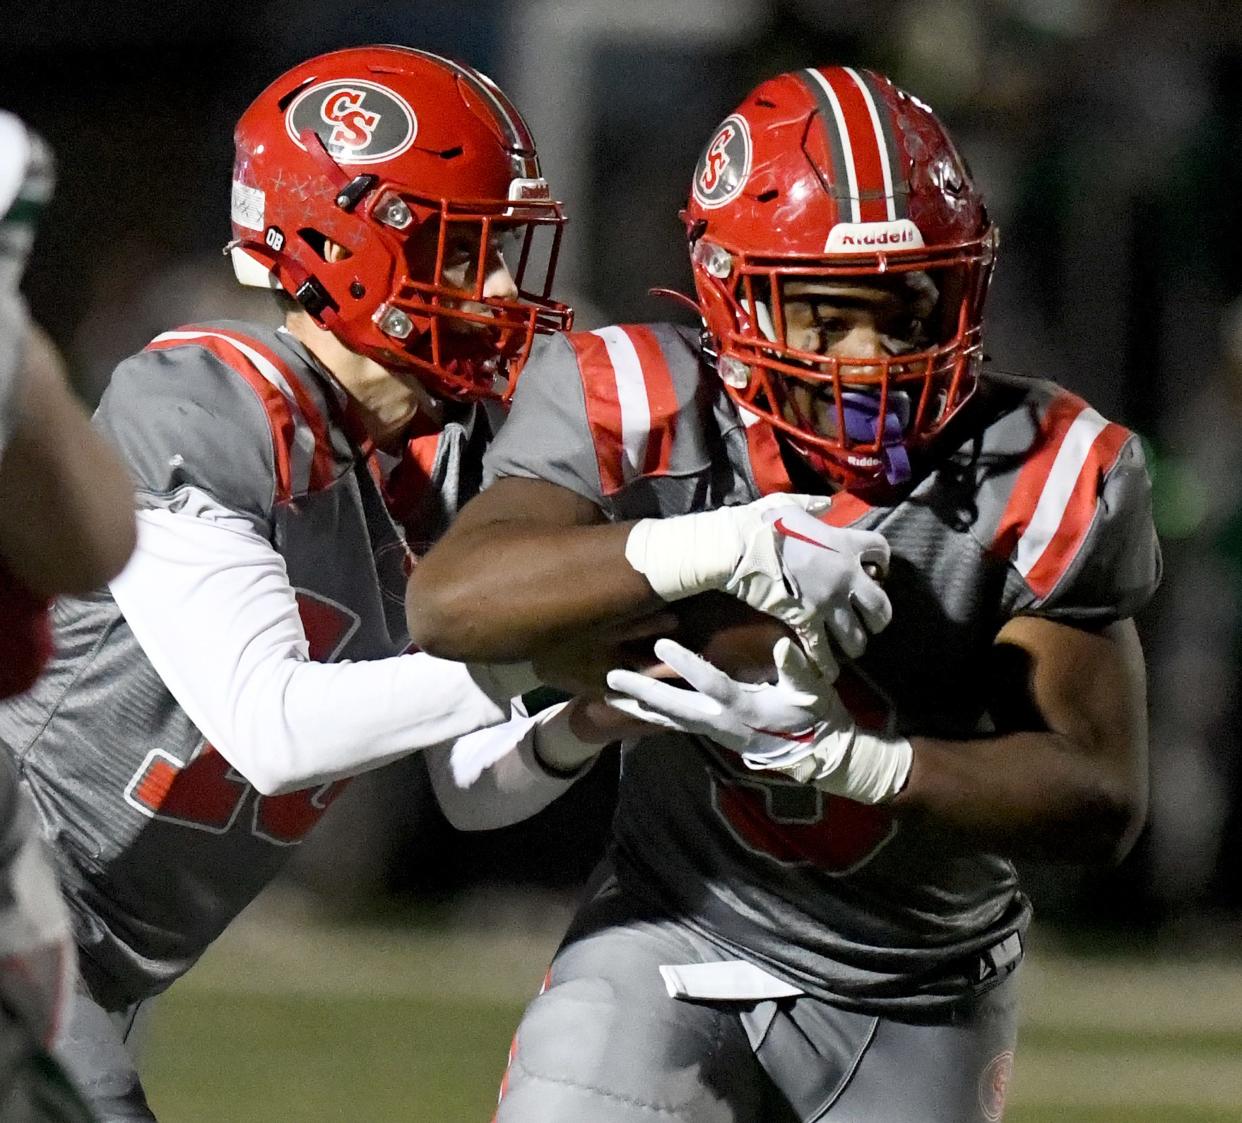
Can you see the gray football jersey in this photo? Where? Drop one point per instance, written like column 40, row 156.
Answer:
column 1043, row 510
column 160, row 842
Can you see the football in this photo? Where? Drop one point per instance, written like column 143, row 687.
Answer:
column 726, row 632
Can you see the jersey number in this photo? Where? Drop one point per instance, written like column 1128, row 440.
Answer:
column 208, row 793
column 796, row 824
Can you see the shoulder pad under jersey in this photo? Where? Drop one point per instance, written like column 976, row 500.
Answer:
column 1064, row 498
column 597, row 411
column 220, row 409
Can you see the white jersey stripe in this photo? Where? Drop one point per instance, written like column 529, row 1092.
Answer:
column 879, row 140
column 302, row 454
column 844, row 133
column 632, row 397
column 1058, row 489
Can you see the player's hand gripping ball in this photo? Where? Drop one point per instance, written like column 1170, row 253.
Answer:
column 731, row 635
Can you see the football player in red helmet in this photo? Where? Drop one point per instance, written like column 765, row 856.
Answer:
column 841, row 255
column 808, row 910
column 202, row 711
column 397, row 198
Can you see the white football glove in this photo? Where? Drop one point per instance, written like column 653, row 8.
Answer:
column 778, row 558
column 797, row 726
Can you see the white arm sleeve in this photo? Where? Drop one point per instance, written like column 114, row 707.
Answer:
column 511, row 787
column 209, row 600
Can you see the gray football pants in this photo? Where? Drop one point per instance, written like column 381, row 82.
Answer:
column 603, row 1042
column 33, row 1086
column 97, row 1050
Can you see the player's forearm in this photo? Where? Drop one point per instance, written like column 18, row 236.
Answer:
column 66, row 504
column 1025, row 794
column 301, row 724
column 493, row 778
column 505, row 590
column 210, row 603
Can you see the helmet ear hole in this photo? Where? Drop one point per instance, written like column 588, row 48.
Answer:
column 324, row 248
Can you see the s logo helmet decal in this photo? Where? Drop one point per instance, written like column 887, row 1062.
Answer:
column 724, row 166
column 359, row 122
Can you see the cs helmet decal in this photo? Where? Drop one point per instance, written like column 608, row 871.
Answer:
column 359, row 122
column 724, row 166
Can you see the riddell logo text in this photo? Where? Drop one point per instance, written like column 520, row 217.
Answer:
column 854, row 237
column 530, row 191
column 887, row 238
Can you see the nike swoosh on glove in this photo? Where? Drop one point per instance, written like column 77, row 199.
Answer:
column 797, row 726
column 814, row 578
column 776, row 557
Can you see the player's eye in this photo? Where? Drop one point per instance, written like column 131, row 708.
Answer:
column 909, row 330
column 830, row 322
column 828, row 318
column 459, row 251
column 460, row 261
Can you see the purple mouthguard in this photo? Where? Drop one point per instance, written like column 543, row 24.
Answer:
column 863, row 423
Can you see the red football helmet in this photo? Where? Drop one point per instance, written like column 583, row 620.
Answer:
column 375, row 185
column 822, row 177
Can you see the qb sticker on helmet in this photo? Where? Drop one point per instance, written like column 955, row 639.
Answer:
column 724, row 166
column 359, row 122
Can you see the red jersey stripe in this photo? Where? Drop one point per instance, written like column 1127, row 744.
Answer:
column 323, row 469
column 275, row 405
column 407, row 487
column 1080, row 511
column 846, row 509
column 603, row 407
column 768, row 467
column 661, row 400
column 1034, row 472
column 766, row 463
